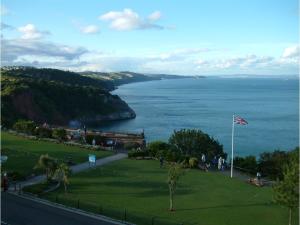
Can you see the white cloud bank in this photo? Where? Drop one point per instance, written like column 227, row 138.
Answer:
column 32, row 50
column 29, row 31
column 90, row 29
column 129, row 20
column 291, row 52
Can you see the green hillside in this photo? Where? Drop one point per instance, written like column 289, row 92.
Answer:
column 57, row 97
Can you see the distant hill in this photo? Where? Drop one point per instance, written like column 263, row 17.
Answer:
column 125, row 77
column 57, row 97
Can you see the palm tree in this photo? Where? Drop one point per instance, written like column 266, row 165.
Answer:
column 62, row 175
column 48, row 164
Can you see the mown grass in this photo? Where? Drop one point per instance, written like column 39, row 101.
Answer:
column 140, row 187
column 24, row 153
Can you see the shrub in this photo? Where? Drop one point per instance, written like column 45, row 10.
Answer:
column 270, row 163
column 25, row 126
column 247, row 163
column 131, row 145
column 158, row 148
column 194, row 143
column 60, row 134
column 136, row 153
column 43, row 132
column 14, row 176
column 193, row 162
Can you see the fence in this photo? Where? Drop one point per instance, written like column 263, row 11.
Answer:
column 122, row 214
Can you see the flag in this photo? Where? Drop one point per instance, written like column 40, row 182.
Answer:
column 240, row 120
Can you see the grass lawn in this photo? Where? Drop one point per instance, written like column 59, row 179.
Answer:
column 23, row 153
column 140, row 187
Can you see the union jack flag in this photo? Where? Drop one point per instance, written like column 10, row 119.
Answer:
column 240, row 120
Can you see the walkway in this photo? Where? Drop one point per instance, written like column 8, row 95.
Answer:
column 245, row 177
column 75, row 169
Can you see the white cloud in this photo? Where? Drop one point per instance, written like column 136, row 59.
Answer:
column 291, row 52
column 156, row 15
column 29, row 31
column 13, row 50
column 243, row 62
column 90, row 29
column 129, row 20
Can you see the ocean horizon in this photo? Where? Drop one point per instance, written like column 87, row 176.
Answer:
column 270, row 105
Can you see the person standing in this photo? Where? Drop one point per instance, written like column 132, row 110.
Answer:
column 203, row 158
column 220, row 163
column 258, row 177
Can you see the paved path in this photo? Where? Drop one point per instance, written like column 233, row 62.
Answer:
column 16, row 210
column 245, row 177
column 75, row 169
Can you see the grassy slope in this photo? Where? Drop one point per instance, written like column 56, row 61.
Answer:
column 202, row 198
column 23, row 153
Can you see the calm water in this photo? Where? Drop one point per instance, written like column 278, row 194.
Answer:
column 269, row 105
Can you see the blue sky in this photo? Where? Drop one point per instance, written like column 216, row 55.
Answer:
column 207, row 37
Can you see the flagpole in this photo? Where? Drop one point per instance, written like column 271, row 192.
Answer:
column 232, row 134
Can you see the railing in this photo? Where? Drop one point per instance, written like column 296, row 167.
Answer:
column 122, row 214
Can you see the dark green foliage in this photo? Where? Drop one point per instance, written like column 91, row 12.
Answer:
column 158, row 148
column 25, row 126
column 247, row 164
column 55, row 97
column 15, row 175
column 137, row 153
column 270, row 163
column 43, row 132
column 60, row 134
column 131, row 145
column 66, row 77
column 194, row 142
column 286, row 191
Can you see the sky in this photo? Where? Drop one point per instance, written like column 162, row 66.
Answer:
column 207, row 37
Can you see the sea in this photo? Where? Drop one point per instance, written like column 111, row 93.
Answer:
column 269, row 105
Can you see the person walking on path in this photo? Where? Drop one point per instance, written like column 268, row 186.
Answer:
column 161, row 160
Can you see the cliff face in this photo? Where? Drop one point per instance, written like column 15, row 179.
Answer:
column 58, row 100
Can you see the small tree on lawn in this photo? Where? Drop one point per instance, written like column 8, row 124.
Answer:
column 174, row 173
column 48, row 164
column 62, row 174
column 286, row 192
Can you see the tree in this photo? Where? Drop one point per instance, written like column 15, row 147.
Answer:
column 59, row 134
column 158, row 148
column 48, row 164
column 174, row 173
column 270, row 163
column 193, row 143
column 286, row 192
column 62, row 175
column 25, row 126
